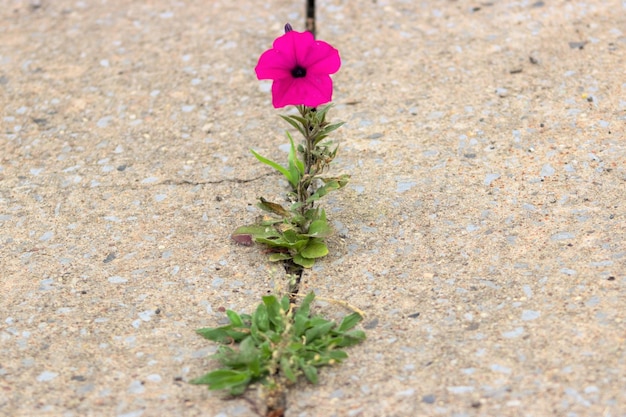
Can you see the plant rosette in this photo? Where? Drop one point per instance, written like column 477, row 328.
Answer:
column 300, row 68
column 277, row 341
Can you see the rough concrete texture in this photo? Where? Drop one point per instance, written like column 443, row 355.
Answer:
column 486, row 144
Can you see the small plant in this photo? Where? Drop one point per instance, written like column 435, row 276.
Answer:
column 277, row 344
column 299, row 67
column 280, row 342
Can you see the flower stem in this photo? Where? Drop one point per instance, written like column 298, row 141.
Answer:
column 310, row 164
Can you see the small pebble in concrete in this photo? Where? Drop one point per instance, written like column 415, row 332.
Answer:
column 489, row 178
column 463, row 389
column 515, row 333
column 562, row 236
column 429, row 399
column 528, row 315
column 47, row 376
column 547, row 170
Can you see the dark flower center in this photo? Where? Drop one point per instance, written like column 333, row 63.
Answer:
column 298, row 72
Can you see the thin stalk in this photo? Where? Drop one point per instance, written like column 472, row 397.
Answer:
column 277, row 384
column 304, row 187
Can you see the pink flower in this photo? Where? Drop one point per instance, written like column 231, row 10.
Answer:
column 300, row 67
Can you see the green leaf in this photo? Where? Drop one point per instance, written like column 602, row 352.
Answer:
column 316, row 248
column 261, row 319
column 297, row 219
column 311, row 373
column 323, row 133
column 320, row 137
column 257, row 231
column 286, row 369
column 277, row 242
column 349, row 322
column 342, row 179
column 318, row 330
column 321, row 113
column 337, row 355
column 274, row 312
column 305, row 306
column 295, row 347
column 303, row 262
column 295, row 206
column 290, row 236
column 352, row 338
column 223, row 334
column 293, row 121
column 299, row 119
column 222, row 379
column 277, row 167
column 234, row 318
column 257, row 334
column 273, row 207
column 266, row 349
column 230, row 357
column 301, row 318
column 248, row 352
column 331, row 184
column 332, row 127
column 300, row 324
column 319, row 228
column 323, row 190
column 297, row 244
column 285, row 303
column 279, row 256
column 293, row 158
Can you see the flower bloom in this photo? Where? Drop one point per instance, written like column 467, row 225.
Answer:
column 300, row 67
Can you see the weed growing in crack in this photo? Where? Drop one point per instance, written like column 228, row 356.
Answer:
column 282, row 341
column 277, row 344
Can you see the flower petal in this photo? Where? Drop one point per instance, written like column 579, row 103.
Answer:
column 310, row 91
column 320, row 90
column 283, row 92
column 322, row 58
column 273, row 65
column 295, row 45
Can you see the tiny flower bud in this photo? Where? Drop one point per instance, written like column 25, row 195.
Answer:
column 288, row 28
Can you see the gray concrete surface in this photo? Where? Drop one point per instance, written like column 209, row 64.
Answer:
column 486, row 144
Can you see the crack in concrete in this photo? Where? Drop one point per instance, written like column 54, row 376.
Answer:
column 234, row 180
